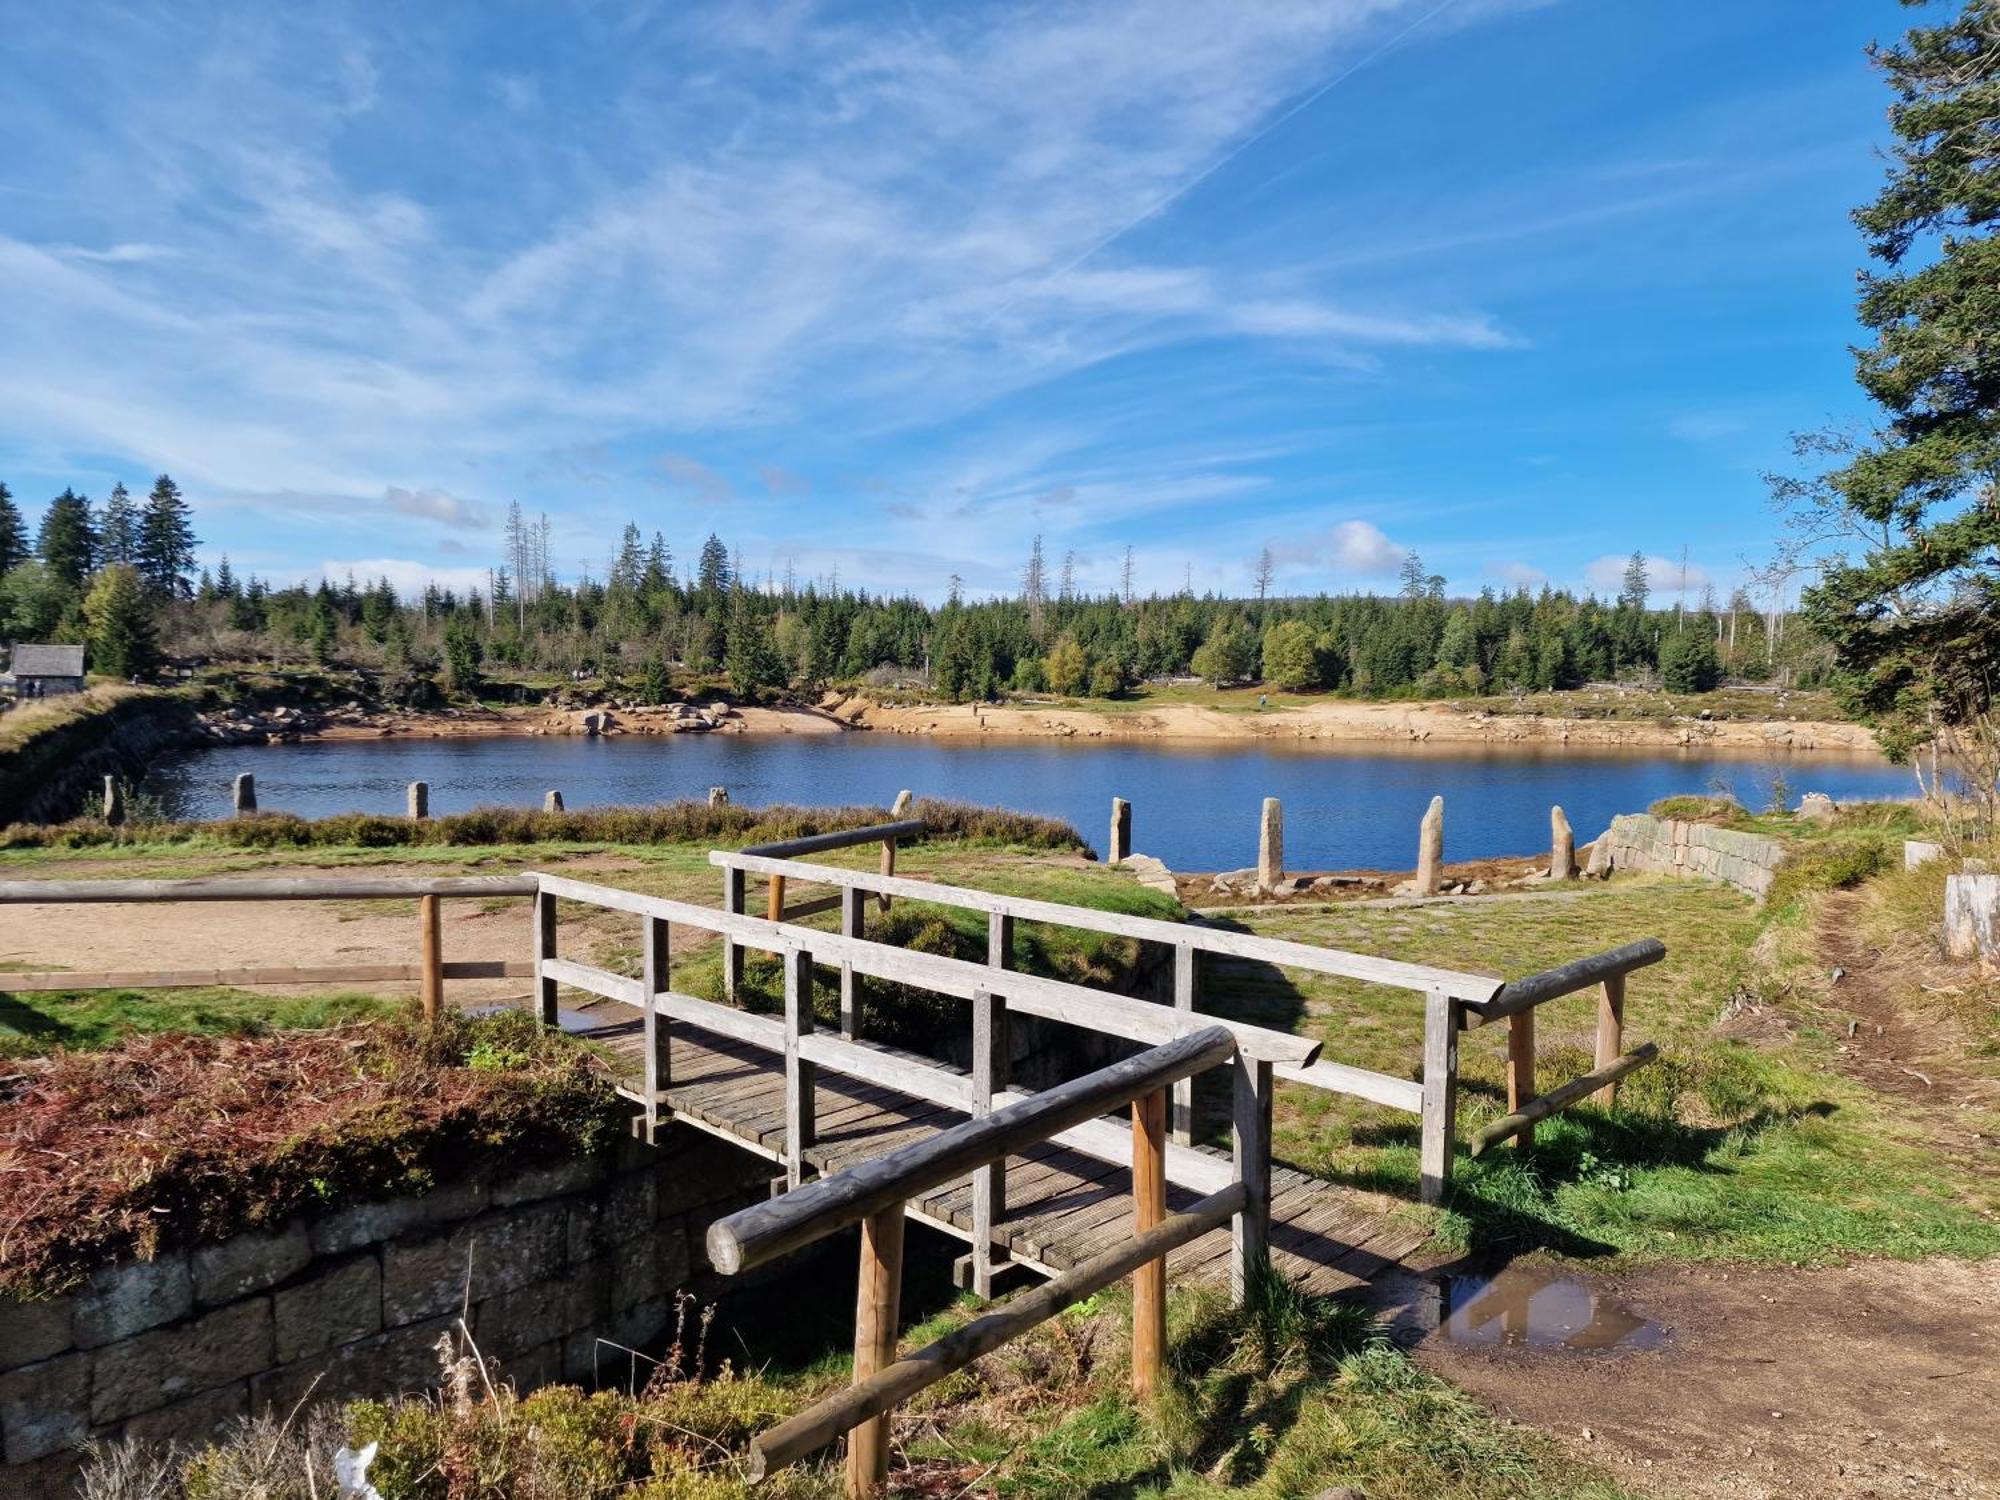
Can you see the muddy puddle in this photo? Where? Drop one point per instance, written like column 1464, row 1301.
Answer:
column 1527, row 1307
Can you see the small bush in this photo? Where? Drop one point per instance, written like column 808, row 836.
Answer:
column 1832, row 864
column 1696, row 809
column 684, row 822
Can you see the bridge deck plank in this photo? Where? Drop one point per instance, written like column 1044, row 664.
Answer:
column 1062, row 1206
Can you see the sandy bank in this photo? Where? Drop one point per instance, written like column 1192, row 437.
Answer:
column 1432, row 723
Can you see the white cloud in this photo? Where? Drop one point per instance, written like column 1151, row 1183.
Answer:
column 436, row 505
column 1360, row 547
column 1606, row 575
column 1517, row 575
column 790, row 216
column 408, row 577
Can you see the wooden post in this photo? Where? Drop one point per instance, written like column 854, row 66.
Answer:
column 1250, row 1248
column 244, row 795
column 800, row 1075
column 1610, row 1035
column 1562, row 846
column 1430, row 849
column 888, row 868
column 1521, row 1067
column 732, row 951
column 655, row 975
column 900, row 808
column 552, row 801
column 1120, row 848
column 775, row 909
column 1187, row 980
column 852, row 924
column 877, row 1312
column 1440, row 1096
column 1149, row 1206
column 545, row 948
column 989, row 1183
column 1271, row 847
column 999, row 940
column 430, row 923
column 114, row 801
column 418, row 800
column 718, row 796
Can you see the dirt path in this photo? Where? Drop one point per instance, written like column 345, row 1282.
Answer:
column 1874, row 1379
column 1908, row 1056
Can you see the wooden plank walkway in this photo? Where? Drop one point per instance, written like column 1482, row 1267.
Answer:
column 1062, row 1206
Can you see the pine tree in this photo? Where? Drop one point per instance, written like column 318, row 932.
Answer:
column 118, row 531
column 121, row 628
column 1912, row 617
column 711, row 574
column 1416, row 582
column 13, row 532
column 1638, row 583
column 166, row 542
column 67, row 542
column 1035, row 587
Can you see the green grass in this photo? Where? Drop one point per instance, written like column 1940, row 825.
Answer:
column 37, row 1022
column 1725, row 1149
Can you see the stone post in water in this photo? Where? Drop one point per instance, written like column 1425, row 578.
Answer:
column 245, row 795
column 1271, row 847
column 420, row 800
column 718, row 796
column 900, row 808
column 1562, row 846
column 1430, row 849
column 1121, row 831
column 114, row 801
column 552, row 801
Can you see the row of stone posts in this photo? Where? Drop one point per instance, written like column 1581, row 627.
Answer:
column 1430, row 845
column 416, row 799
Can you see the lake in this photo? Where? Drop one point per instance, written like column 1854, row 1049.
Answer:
column 1195, row 805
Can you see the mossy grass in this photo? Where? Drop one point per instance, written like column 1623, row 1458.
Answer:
column 1745, row 1142
column 34, row 1023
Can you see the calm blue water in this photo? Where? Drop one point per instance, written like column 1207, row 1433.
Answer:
column 1195, row 806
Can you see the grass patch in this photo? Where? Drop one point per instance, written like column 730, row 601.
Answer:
column 1282, row 1402
column 35, row 1023
column 685, row 822
column 1732, row 1147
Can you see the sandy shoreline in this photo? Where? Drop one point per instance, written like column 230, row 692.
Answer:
column 1328, row 722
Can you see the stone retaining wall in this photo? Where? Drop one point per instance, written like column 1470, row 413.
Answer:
column 1669, row 846
column 544, row 1263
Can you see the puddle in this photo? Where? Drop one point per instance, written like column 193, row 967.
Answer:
column 1525, row 1307
column 568, row 1020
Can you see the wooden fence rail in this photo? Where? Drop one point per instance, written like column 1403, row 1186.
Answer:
column 888, row 835
column 430, row 971
column 874, row 1194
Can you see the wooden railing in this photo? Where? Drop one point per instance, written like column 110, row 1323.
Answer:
column 993, row 993
column 1449, row 993
column 875, row 1194
column 1516, row 1005
column 430, row 971
column 888, row 835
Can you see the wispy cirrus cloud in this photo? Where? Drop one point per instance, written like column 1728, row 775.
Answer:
column 754, row 216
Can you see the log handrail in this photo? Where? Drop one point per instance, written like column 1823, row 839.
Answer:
column 752, row 1236
column 844, row 838
column 1518, row 995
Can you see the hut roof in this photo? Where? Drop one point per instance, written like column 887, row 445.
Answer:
column 48, row 661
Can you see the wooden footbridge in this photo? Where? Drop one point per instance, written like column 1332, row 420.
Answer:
column 871, row 1134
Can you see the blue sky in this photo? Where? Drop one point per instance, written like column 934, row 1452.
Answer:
column 886, row 290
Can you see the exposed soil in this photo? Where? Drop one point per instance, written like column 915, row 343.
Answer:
column 1873, row 1379
column 1338, row 719
column 1895, row 1050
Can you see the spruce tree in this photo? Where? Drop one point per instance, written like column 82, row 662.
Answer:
column 121, row 629
column 67, row 543
column 1911, row 602
column 166, row 542
column 712, row 575
column 118, row 531
column 13, row 532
